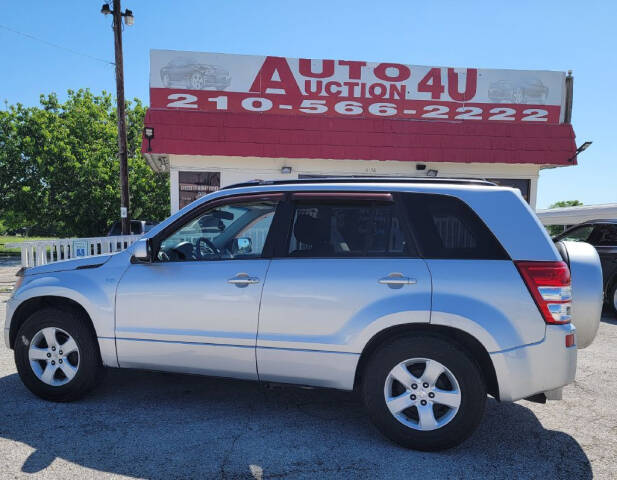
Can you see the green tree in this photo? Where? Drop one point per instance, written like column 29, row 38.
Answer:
column 557, row 229
column 566, row 203
column 59, row 173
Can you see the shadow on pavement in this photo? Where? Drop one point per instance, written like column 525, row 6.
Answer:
column 609, row 317
column 156, row 425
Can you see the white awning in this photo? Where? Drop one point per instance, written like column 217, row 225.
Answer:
column 574, row 215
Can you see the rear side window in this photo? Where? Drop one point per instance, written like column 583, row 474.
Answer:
column 605, row 236
column 346, row 229
column 446, row 227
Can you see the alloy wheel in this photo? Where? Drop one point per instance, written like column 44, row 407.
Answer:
column 422, row 394
column 54, row 356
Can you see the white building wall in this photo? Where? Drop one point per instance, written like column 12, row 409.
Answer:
column 240, row 169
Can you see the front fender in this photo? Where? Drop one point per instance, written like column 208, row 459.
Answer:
column 93, row 289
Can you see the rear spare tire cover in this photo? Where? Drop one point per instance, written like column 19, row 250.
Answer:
column 587, row 295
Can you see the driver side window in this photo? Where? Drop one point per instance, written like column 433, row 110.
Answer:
column 225, row 232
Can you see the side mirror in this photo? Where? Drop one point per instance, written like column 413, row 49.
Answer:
column 142, row 251
column 241, row 246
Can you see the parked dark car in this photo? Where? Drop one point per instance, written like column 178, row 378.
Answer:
column 196, row 76
column 138, row 227
column 602, row 234
column 529, row 91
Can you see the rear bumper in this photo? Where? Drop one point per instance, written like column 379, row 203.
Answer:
column 536, row 368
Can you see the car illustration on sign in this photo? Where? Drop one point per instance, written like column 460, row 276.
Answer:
column 528, row 91
column 187, row 72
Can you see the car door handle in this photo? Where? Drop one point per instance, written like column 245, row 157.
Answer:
column 397, row 279
column 243, row 279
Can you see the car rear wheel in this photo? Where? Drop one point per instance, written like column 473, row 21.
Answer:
column 423, row 392
column 56, row 355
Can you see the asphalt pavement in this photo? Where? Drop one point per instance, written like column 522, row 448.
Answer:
column 155, row 425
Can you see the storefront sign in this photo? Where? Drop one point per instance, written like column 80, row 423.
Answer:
column 240, row 83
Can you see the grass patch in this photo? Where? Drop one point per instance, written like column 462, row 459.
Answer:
column 16, row 239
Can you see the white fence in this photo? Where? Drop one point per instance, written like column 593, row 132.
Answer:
column 41, row 252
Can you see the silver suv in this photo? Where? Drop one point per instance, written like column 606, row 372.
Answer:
column 422, row 295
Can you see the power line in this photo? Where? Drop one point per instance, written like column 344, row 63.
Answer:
column 32, row 37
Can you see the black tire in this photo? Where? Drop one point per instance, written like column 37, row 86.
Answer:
column 612, row 298
column 464, row 369
column 89, row 370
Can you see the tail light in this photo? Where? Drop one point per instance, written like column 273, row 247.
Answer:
column 549, row 285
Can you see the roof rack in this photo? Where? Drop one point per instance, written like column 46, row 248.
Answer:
column 363, row 179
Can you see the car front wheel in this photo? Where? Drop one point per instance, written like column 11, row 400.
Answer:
column 56, row 355
column 424, row 392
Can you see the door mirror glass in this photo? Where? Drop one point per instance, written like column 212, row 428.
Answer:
column 242, row 246
column 141, row 250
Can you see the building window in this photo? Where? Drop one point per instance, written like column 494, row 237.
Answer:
column 522, row 184
column 193, row 185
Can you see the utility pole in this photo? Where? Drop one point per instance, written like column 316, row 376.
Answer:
column 122, row 150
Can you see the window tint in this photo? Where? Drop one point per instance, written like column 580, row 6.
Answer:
column 580, row 234
column 225, row 232
column 446, row 227
column 346, row 229
column 605, row 236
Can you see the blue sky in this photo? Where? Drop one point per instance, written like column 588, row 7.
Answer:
column 546, row 35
